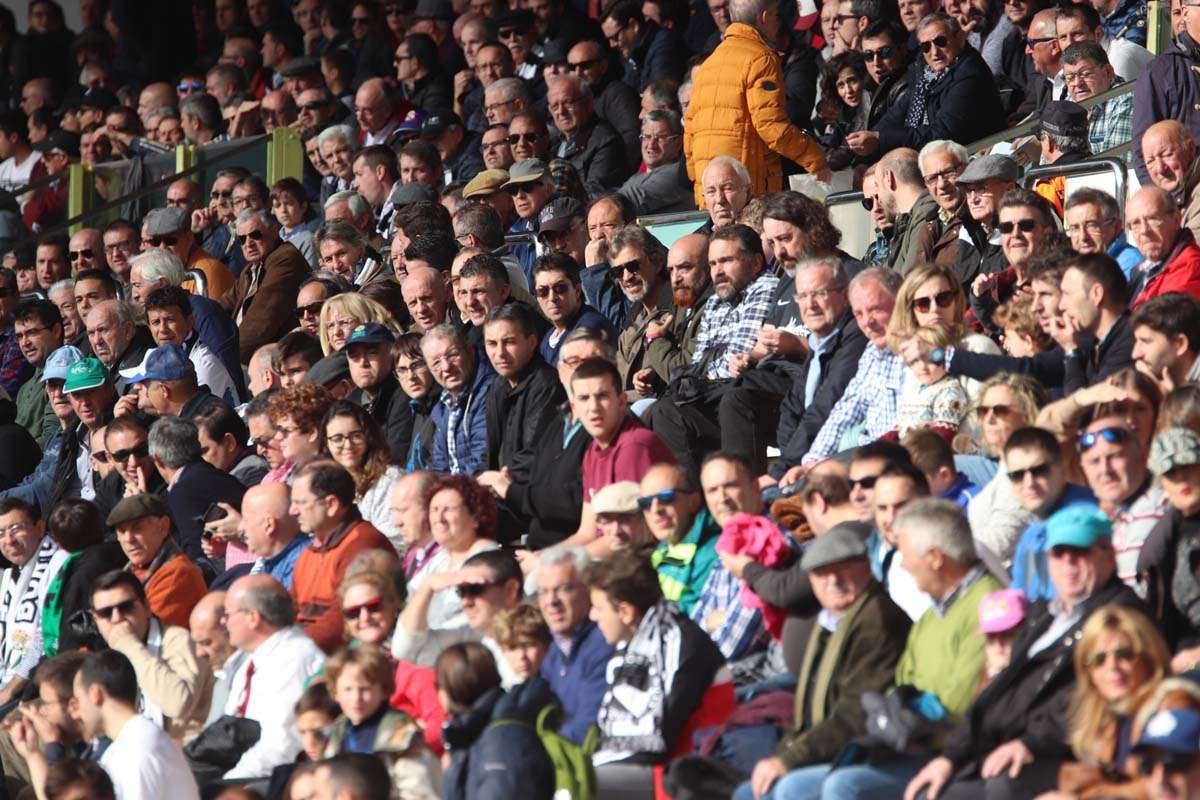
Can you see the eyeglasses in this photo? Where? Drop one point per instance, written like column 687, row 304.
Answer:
column 883, row 52
column 840, row 18
column 1125, row 655
column 1170, row 762
column 75, row 255
column 508, row 33
column 14, row 530
column 490, row 107
column 820, row 295
column 647, row 138
column 255, row 235
column 360, row 20
column 140, row 451
column 225, row 195
column 1111, row 435
column 29, row 333
column 560, row 288
column 283, row 431
column 584, row 65
column 563, row 105
column 371, row 607
column 161, row 241
column 1024, row 225
column 1092, row 226
column 444, row 360
column 127, row 244
column 401, row 57
column 494, row 145
column 632, row 267
column 244, row 202
column 474, row 589
column 1000, row 410
column 940, row 42
column 613, row 39
column 126, row 607
column 867, row 483
column 948, row 174
column 310, row 310
column 527, row 138
column 561, row 590
column 1036, row 471
column 1029, row 42
column 941, row 300
column 1082, row 75
column 412, row 369
column 664, row 498
column 353, row 437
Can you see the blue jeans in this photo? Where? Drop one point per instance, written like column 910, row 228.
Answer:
column 857, row 782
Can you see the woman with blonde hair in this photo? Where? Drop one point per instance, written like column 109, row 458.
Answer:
column 1120, row 659
column 342, row 313
column 371, row 607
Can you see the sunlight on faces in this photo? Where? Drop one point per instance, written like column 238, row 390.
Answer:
column 1090, row 232
column 508, row 347
column 668, row 522
column 1114, row 470
column 1002, row 417
column 141, row 539
column 370, row 364
column 1182, row 487
column 1036, row 492
column 862, row 476
column 19, row 536
column 571, row 355
column 1019, row 245
column 599, row 405
column 558, row 298
column 616, row 622
column 872, row 305
column 1167, row 158
column 838, row 586
column 725, row 195
column 450, row 521
column 347, row 442
column 373, row 623
column 409, row 513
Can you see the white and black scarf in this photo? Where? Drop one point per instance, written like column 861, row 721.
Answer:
column 148, row 708
column 640, row 677
column 21, row 602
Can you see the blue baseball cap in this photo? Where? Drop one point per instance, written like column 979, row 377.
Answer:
column 1174, row 730
column 1078, row 525
column 166, row 363
column 370, row 333
column 59, row 362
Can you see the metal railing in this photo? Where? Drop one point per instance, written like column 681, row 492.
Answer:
column 199, row 281
column 1095, row 167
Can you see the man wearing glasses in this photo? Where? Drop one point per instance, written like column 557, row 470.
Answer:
column 592, row 145
column 1172, row 259
column 663, row 188
column 615, row 101
column 885, row 48
column 460, row 418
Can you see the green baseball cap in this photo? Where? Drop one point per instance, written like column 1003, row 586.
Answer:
column 86, row 374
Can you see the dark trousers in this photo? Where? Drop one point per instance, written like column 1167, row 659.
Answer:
column 1034, row 779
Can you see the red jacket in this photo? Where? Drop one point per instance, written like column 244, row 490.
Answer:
column 1181, row 273
column 319, row 570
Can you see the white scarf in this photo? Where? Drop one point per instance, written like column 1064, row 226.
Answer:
column 21, row 600
column 148, row 708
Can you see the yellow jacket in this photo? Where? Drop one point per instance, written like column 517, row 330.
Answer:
column 739, row 109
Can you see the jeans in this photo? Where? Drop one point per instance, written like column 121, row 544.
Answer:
column 860, row 781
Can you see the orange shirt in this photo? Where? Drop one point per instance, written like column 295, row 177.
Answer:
column 174, row 591
column 220, row 279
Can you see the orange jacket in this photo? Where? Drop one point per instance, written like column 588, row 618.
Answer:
column 739, row 109
column 316, row 576
column 174, row 590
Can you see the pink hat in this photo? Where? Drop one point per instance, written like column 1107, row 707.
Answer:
column 1002, row 610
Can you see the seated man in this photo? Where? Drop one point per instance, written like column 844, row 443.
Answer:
column 620, row 521
column 661, row 189
column 164, row 384
column 460, row 416
column 1166, row 339
column 639, row 266
column 1170, row 153
column 271, row 532
column 173, row 583
column 1094, row 222
column 686, row 532
column 1021, row 711
column 169, row 311
column 174, row 684
column 1172, row 258
column 1087, row 72
column 369, row 356
column 666, row 668
column 855, row 649
column 559, row 290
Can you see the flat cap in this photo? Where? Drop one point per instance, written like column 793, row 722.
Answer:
column 845, row 541
column 1173, row 448
column 489, row 181
column 433, row 9
column 991, row 167
column 526, row 170
column 617, row 498
column 137, row 507
column 330, row 369
column 300, row 66
column 165, row 221
column 415, row 192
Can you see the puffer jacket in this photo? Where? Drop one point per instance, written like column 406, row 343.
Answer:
column 739, row 109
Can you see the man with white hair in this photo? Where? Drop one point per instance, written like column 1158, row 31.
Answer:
column 591, row 145
column 350, row 206
column 504, row 99
column 941, row 162
column 338, row 145
column 460, row 418
column 116, row 338
column 725, row 186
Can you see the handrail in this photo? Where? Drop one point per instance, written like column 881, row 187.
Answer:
column 1088, row 167
column 199, row 282
column 672, row 217
column 1027, row 126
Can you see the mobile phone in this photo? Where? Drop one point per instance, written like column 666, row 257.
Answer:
column 213, row 513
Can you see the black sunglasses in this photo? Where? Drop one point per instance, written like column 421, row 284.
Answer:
column 317, row 106
column 562, row 287
column 883, row 52
column 255, row 235
column 312, row 308
column 632, row 267
column 867, row 483
column 941, row 300
column 868, row 203
column 664, row 498
column 528, row 138
column 1170, row 762
column 474, row 589
column 75, row 255
column 1025, row 225
column 140, row 451
column 101, row 456
column 225, row 195
column 582, row 65
column 162, row 241
column 939, row 41
column 1040, row 40
column 1036, row 471
column 126, row 608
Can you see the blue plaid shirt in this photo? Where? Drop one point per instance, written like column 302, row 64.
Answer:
column 731, row 327
column 741, row 626
column 870, row 399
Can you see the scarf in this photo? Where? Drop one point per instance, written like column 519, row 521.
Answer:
column 640, row 676
column 917, row 115
column 146, row 706
column 165, row 553
column 24, row 595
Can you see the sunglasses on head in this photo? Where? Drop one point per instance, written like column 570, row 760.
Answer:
column 632, row 267
column 255, row 235
column 75, row 255
column 941, row 300
column 664, row 498
column 940, row 41
column 1036, row 471
column 140, row 451
column 1024, row 225
column 126, row 608
column 473, row 589
column 1111, row 435
column 371, row 607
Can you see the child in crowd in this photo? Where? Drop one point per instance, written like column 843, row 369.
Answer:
column 932, row 454
column 1000, row 616
column 523, row 637
column 316, row 712
column 289, row 205
column 930, row 398
column 1022, row 332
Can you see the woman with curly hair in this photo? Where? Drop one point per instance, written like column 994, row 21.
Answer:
column 343, row 313
column 297, row 413
column 845, row 87
column 356, row 441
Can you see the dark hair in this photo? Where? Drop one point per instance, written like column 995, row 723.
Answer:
column 129, row 423
column 1085, row 51
column 1171, row 314
column 378, row 456
column 744, row 235
column 113, row 672
column 626, row 577
column 11, row 504
column 1103, row 269
column 14, row 123
column 317, row 698
column 116, row 578
column 465, row 671
column 219, row 420
column 70, row 772
column 1033, row 438
column 436, row 247
column 519, row 313
column 480, row 502
column 422, row 47
column 623, row 12
column 929, row 450
column 76, row 524
column 831, row 108
column 895, row 32
column 888, row 452
column 408, row 345
column 327, row 479
column 58, row 672
column 488, row 265
column 362, row 775
column 558, row 262
column 423, row 151
column 598, row 368
column 300, row 343
column 911, row 473
column 806, row 214
column 260, row 404
column 44, row 311
column 420, row 218
column 1089, row 15
column 501, row 563
column 833, row 489
column 380, row 155
column 288, row 37
column 167, row 296
column 103, row 276
column 1025, row 198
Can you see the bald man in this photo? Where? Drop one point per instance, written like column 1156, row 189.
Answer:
column 410, row 515
column 156, row 96
column 1169, row 151
column 427, row 297
column 373, row 110
column 263, row 375
column 214, row 648
column 1046, row 82
column 86, row 250
column 270, row 532
column 616, row 101
column 1172, row 264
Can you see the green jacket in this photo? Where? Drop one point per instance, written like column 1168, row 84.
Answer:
column 859, row 656
column 34, row 412
column 683, row 568
column 944, row 654
column 631, row 341
column 677, row 344
column 915, row 234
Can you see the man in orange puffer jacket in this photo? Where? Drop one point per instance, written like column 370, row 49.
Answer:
column 739, row 108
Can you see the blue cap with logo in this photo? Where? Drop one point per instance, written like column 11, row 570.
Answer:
column 59, row 362
column 168, row 362
column 1174, row 730
column 1078, row 525
column 370, row 333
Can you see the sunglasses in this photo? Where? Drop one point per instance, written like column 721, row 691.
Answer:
column 225, row 195
column 999, row 410
column 473, row 589
column 194, row 86
column 1036, row 471
column 162, row 241
column 632, row 267
column 509, row 33
column 867, row 483
column 255, row 235
column 1111, row 435
column 75, row 255
column 527, row 138
column 939, row 41
column 310, row 310
column 941, row 300
column 122, row 456
column 583, row 65
column 1170, row 762
column 664, row 498
column 316, row 106
column 868, row 203
column 523, row 188
column 371, row 607
column 1025, row 226
column 559, row 288
column 101, row 456
column 1124, row 655
column 126, row 608
column 883, row 52
column 1040, row 40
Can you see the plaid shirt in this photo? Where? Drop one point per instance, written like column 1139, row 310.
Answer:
column 741, row 626
column 870, row 398
column 731, row 327
column 14, row 369
column 1111, row 123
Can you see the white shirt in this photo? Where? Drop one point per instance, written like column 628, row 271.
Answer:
column 282, row 665
column 212, row 373
column 902, row 587
column 14, row 175
column 145, row 764
column 1127, row 58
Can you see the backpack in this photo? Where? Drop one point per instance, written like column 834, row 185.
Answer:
column 574, row 775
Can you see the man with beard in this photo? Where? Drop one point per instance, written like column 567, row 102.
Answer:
column 638, row 263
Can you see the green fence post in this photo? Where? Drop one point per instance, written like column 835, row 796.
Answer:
column 80, row 191
column 1158, row 26
column 285, row 155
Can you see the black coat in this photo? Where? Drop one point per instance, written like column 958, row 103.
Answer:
column 21, row 451
column 798, row 424
column 434, row 92
column 80, row 573
column 963, row 106
column 659, row 56
column 200, row 485
column 516, row 415
column 1113, row 354
column 619, row 105
column 599, row 155
column 1028, row 699
column 552, row 499
column 391, row 410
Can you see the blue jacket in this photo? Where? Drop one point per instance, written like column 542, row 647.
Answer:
column 587, row 317
column 602, row 293
column 524, row 253
column 1166, row 89
column 1029, row 567
column 494, row 749
column 470, row 432
column 1128, row 21
column 35, row 488
column 1126, row 254
column 580, row 679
